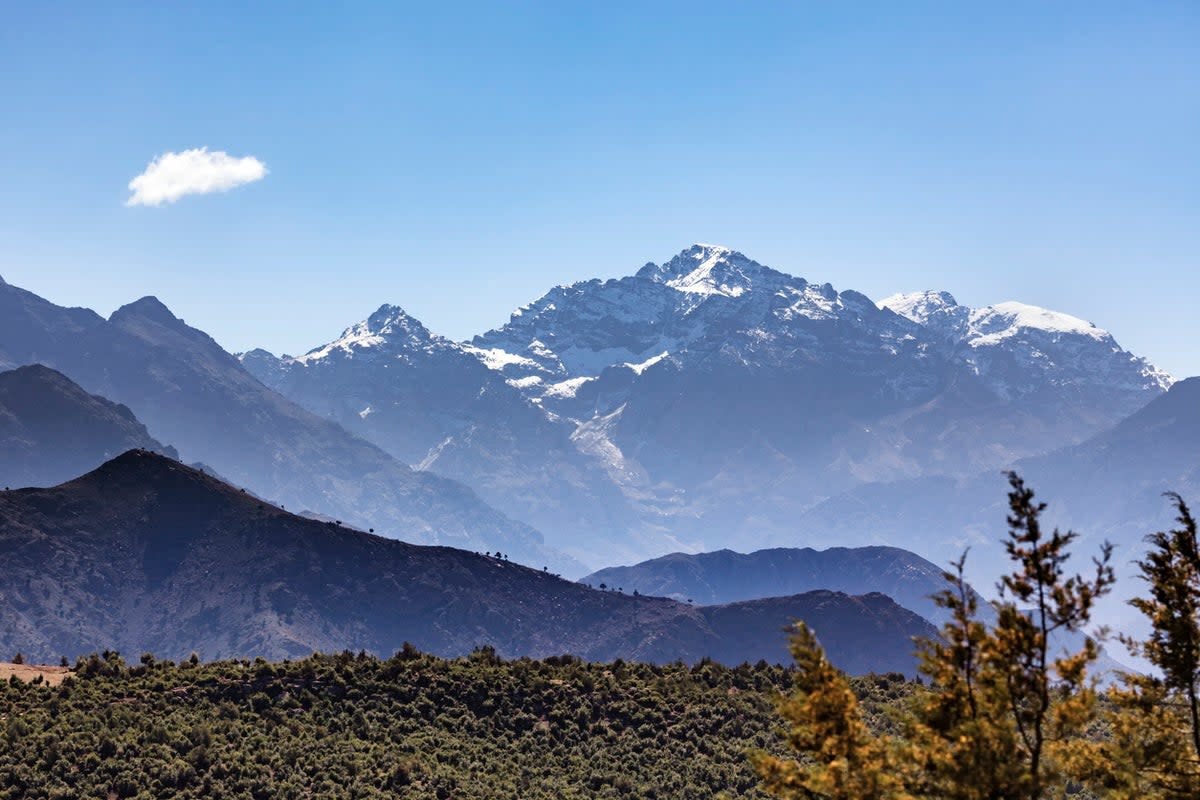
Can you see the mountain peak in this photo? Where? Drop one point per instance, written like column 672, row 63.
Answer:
column 1002, row 319
column 389, row 319
column 137, row 460
column 707, row 269
column 38, row 372
column 388, row 325
column 148, row 307
column 920, row 306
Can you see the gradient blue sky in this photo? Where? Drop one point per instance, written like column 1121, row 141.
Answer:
column 459, row 161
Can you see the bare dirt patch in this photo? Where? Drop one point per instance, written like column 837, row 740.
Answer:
column 28, row 672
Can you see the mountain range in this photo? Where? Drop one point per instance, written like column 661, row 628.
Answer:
column 196, row 397
column 147, row 554
column 726, row 576
column 705, row 401
column 712, row 399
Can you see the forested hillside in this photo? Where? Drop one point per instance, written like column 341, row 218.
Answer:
column 413, row 726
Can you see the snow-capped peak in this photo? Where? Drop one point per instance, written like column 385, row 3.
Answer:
column 1041, row 340
column 707, row 269
column 389, row 324
column 919, row 306
column 990, row 324
column 993, row 323
column 389, row 319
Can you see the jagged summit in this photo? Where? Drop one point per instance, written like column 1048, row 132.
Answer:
column 708, row 269
column 708, row 301
column 388, row 326
column 920, row 306
column 389, row 319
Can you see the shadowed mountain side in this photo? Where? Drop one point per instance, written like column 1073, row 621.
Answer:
column 859, row 632
column 52, row 430
column 728, row 577
column 146, row 554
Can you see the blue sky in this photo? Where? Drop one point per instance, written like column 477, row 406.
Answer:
column 459, row 161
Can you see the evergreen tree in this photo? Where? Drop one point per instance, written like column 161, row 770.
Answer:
column 960, row 728
column 1172, row 572
column 1003, row 718
column 1049, row 699
column 1154, row 749
column 844, row 760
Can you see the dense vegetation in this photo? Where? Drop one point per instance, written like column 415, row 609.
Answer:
column 413, row 725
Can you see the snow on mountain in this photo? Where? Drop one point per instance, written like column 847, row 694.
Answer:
column 709, row 269
column 497, row 359
column 389, row 326
column 995, row 323
column 1018, row 348
column 691, row 305
column 710, row 304
column 926, row 308
column 988, row 325
column 449, row 408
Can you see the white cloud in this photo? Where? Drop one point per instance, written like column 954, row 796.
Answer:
column 174, row 175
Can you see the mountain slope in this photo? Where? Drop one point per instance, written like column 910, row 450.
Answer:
column 147, row 554
column 52, row 430
column 1109, row 486
column 189, row 391
column 431, row 403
